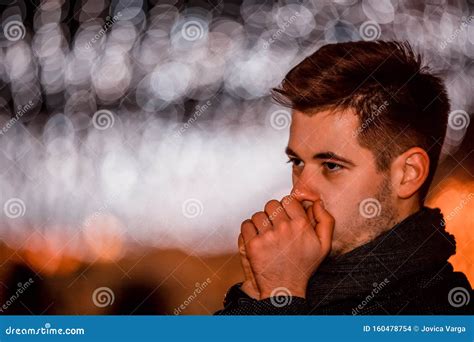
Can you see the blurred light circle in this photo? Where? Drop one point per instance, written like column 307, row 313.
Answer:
column 124, row 33
column 166, row 85
column 295, row 20
column 338, row 31
column 146, row 98
column 18, row 60
column 381, row 12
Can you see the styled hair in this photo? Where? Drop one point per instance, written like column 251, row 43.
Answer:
column 400, row 103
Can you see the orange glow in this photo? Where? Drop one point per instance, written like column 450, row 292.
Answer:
column 456, row 201
column 45, row 255
column 104, row 236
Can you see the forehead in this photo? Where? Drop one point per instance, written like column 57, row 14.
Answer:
column 326, row 131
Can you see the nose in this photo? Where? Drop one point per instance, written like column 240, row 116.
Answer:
column 306, row 193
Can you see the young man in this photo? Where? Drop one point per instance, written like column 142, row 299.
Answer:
column 354, row 237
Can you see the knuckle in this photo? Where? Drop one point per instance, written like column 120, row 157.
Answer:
column 271, row 204
column 256, row 216
column 300, row 221
column 268, row 237
column 284, row 226
column 244, row 223
column 253, row 245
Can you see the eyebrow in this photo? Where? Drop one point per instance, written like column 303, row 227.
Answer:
column 323, row 155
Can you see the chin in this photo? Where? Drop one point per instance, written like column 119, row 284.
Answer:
column 337, row 248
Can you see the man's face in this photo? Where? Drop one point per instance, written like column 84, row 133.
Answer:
column 328, row 163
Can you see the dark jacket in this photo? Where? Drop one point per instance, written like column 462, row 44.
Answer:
column 403, row 271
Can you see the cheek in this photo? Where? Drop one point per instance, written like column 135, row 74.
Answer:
column 341, row 207
column 347, row 202
column 294, row 178
column 343, row 200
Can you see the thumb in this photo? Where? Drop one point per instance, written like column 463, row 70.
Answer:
column 324, row 225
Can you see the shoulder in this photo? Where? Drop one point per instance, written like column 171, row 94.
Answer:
column 439, row 292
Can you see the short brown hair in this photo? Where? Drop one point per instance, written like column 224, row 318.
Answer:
column 400, row 103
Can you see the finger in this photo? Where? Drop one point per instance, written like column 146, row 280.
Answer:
column 293, row 207
column 324, row 225
column 261, row 221
column 241, row 244
column 275, row 212
column 309, row 213
column 247, row 268
column 248, row 231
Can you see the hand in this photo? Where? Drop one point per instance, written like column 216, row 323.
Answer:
column 284, row 248
column 249, row 286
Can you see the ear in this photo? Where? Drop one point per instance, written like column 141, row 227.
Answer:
column 409, row 171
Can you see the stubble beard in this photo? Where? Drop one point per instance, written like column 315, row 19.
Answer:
column 360, row 230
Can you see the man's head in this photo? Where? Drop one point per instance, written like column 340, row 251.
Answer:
column 367, row 128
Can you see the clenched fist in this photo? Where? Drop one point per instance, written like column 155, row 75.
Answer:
column 283, row 246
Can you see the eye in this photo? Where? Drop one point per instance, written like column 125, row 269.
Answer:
column 295, row 161
column 332, row 167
